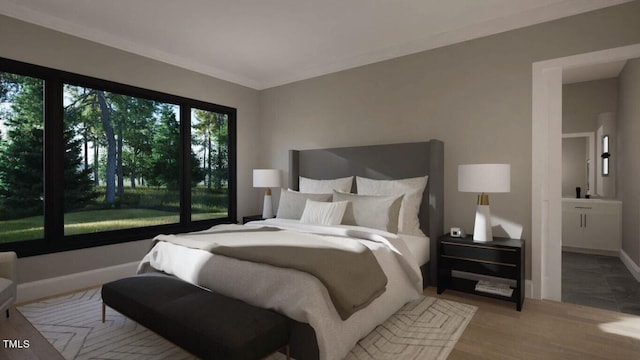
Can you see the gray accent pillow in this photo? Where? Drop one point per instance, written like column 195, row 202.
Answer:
column 412, row 189
column 378, row 212
column 291, row 205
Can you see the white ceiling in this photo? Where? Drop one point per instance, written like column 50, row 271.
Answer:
column 265, row 43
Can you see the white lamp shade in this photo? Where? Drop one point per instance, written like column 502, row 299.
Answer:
column 484, row 178
column 267, row 178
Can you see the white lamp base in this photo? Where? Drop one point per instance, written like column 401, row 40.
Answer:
column 482, row 228
column 267, row 207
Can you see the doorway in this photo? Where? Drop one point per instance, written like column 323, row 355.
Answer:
column 592, row 272
column 547, row 166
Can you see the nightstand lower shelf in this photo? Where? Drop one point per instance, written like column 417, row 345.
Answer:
column 469, row 286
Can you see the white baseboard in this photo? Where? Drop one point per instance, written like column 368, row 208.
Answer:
column 633, row 267
column 63, row 284
column 591, row 251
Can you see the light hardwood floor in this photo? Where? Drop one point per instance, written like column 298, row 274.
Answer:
column 543, row 330
column 16, row 327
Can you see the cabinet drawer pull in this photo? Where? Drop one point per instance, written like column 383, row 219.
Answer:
column 478, row 261
column 582, row 207
column 580, row 220
column 477, row 246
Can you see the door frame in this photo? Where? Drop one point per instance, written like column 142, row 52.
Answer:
column 546, row 169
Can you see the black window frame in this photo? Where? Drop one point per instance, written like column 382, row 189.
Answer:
column 54, row 239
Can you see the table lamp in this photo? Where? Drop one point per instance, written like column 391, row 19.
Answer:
column 483, row 179
column 267, row 178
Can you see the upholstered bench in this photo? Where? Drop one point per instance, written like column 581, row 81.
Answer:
column 206, row 324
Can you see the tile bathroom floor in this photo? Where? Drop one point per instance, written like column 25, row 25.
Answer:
column 599, row 281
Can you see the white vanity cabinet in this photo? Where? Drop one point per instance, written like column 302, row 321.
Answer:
column 592, row 224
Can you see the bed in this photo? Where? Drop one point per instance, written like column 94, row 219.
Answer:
column 318, row 332
column 389, row 161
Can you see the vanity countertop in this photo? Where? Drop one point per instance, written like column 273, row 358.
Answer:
column 593, row 200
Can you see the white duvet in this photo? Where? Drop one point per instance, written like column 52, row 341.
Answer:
column 299, row 295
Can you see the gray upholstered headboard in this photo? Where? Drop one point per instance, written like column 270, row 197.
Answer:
column 392, row 161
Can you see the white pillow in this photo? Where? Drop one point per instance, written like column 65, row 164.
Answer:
column 313, row 186
column 411, row 188
column 292, row 203
column 323, row 213
column 378, row 212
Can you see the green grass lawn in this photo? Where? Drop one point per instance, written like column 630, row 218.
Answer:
column 84, row 222
column 22, row 229
column 139, row 207
column 113, row 219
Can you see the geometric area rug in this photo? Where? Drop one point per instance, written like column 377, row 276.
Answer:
column 427, row 328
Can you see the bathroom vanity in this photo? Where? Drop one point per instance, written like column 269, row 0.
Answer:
column 592, row 225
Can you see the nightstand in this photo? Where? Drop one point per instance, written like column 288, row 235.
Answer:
column 246, row 219
column 501, row 258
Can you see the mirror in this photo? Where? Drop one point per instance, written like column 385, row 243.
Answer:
column 578, row 151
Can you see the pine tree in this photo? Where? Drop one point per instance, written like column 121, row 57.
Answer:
column 165, row 168
column 78, row 184
column 212, row 129
column 165, row 155
column 21, row 155
column 21, row 160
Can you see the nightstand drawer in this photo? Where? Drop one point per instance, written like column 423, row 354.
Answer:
column 460, row 258
column 509, row 271
column 488, row 253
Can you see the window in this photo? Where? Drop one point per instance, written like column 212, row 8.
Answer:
column 120, row 163
column 210, row 149
column 605, row 155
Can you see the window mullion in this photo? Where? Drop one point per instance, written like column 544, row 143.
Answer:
column 232, row 166
column 185, row 165
column 53, row 162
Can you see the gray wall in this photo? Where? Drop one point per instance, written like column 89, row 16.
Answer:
column 475, row 96
column 628, row 153
column 40, row 46
column 582, row 103
column 607, row 184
